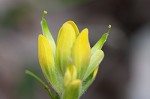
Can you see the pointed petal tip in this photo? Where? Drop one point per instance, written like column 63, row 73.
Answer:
column 86, row 30
column 95, row 72
column 73, row 24
column 66, row 24
column 40, row 36
column 70, row 21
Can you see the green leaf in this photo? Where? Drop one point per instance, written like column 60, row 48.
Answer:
column 96, row 59
column 43, row 83
column 73, row 90
column 47, row 33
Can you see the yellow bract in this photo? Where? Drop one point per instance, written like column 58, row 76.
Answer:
column 95, row 72
column 74, row 26
column 65, row 41
column 81, row 53
column 70, row 75
column 45, row 55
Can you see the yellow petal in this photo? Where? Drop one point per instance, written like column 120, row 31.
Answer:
column 81, row 53
column 65, row 41
column 95, row 72
column 73, row 90
column 74, row 26
column 73, row 71
column 46, row 61
column 70, row 74
column 45, row 54
column 67, row 78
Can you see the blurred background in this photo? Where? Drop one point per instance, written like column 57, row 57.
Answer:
column 125, row 70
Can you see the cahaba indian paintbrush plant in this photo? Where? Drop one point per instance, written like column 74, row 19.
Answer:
column 70, row 65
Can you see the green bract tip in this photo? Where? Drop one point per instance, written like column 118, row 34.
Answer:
column 44, row 13
column 109, row 26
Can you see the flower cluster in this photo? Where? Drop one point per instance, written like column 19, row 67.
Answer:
column 70, row 65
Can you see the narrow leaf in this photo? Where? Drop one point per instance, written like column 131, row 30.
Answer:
column 42, row 83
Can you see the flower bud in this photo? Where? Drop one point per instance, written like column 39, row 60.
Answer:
column 70, row 74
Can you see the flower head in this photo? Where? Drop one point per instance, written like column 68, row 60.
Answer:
column 70, row 65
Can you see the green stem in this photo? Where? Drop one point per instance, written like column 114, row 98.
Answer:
column 43, row 84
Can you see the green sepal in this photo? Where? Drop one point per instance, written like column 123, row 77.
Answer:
column 47, row 33
column 72, row 91
column 55, row 80
column 96, row 59
column 89, row 81
column 101, row 41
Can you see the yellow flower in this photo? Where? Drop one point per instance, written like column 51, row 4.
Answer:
column 71, row 61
